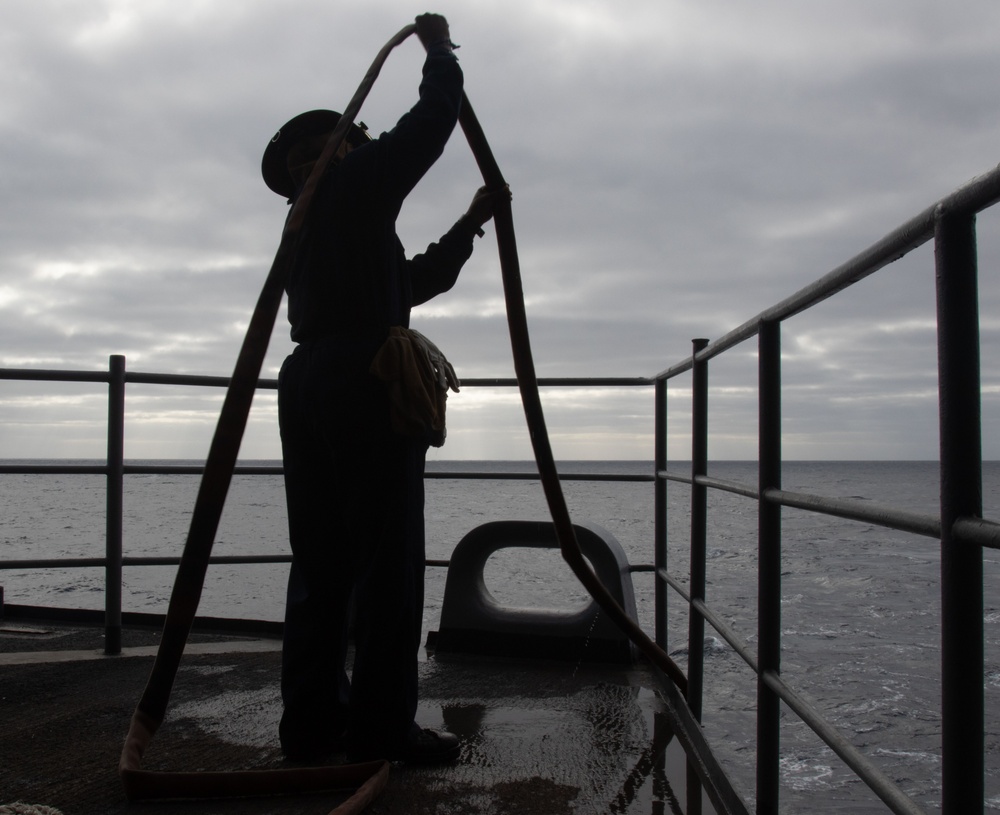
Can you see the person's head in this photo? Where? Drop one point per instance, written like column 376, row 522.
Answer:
column 297, row 145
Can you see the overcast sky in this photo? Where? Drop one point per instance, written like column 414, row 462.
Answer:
column 677, row 167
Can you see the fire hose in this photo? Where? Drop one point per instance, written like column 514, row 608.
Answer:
column 368, row 779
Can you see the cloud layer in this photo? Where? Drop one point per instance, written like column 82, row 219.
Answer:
column 676, row 167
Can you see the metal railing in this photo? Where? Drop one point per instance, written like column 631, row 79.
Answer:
column 959, row 526
column 116, row 468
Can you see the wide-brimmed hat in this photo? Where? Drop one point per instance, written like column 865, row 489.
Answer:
column 274, row 165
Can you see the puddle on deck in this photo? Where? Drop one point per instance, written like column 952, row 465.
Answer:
column 543, row 737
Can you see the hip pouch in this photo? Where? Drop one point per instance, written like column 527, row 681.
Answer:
column 417, row 376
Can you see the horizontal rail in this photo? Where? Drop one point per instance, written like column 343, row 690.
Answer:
column 100, row 562
column 54, row 469
column 493, row 476
column 140, row 378
column 715, row 483
column 250, row 469
column 868, row 512
column 128, row 469
column 40, row 375
column 865, row 511
column 727, row 633
column 196, row 380
column 564, row 382
column 54, row 563
column 877, row 781
column 977, row 531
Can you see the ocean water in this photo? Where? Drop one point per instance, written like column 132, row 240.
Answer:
column 860, row 604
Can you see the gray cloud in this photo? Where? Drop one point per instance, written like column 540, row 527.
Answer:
column 676, row 169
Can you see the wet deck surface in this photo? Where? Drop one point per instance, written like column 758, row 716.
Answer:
column 538, row 737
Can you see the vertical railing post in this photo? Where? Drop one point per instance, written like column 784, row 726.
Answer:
column 660, row 434
column 769, row 567
column 962, row 650
column 115, row 485
column 699, row 538
column 699, row 520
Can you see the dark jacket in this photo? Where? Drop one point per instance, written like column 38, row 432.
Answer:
column 351, row 279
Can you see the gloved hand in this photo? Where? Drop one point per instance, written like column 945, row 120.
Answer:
column 439, row 364
column 484, row 202
column 432, row 28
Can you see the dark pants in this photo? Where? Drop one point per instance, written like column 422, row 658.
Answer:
column 355, row 500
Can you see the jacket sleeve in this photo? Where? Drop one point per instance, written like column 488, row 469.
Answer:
column 419, row 137
column 436, row 270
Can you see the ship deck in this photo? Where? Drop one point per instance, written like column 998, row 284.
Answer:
column 538, row 736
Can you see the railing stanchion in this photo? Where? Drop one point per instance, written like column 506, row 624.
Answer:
column 660, row 588
column 962, row 650
column 699, row 521
column 769, row 567
column 115, row 486
column 699, row 538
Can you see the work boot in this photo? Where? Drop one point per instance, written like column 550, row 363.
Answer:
column 426, row 746
column 421, row 746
